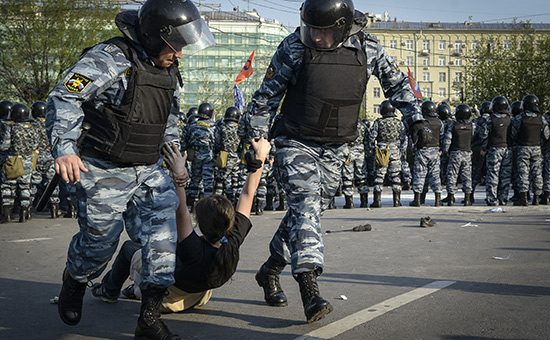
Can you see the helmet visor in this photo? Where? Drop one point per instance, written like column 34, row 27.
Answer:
column 325, row 38
column 194, row 36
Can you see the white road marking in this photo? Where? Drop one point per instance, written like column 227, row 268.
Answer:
column 338, row 327
column 31, row 239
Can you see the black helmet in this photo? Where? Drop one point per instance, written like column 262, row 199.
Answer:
column 20, row 113
column 324, row 24
column 517, row 108
column 463, row 112
column 176, row 23
column 232, row 114
column 206, row 111
column 531, row 103
column 192, row 118
column 429, row 109
column 485, row 107
column 193, row 111
column 443, row 111
column 38, row 109
column 366, row 122
column 500, row 105
column 5, row 108
column 387, row 109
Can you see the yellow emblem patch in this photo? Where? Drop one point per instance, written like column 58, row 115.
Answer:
column 128, row 72
column 203, row 124
column 77, row 83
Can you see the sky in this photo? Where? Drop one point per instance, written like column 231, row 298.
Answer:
column 489, row 11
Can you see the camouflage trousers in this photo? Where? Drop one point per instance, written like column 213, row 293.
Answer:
column 355, row 172
column 393, row 169
column 499, row 173
column 309, row 175
column 20, row 186
column 202, row 172
column 405, row 169
column 43, row 175
column 460, row 164
column 546, row 170
column 426, row 165
column 529, row 160
column 227, row 178
column 141, row 199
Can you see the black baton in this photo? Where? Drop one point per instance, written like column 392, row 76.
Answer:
column 45, row 198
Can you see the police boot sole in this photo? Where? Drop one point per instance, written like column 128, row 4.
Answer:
column 279, row 302
column 320, row 314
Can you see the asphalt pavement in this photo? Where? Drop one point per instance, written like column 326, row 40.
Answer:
column 476, row 275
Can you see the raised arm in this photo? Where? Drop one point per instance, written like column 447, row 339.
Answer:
column 261, row 150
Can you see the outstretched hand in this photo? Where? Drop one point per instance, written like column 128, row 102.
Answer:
column 176, row 163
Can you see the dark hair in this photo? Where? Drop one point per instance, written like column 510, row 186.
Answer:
column 215, row 216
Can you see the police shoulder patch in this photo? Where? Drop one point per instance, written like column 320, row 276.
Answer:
column 77, row 83
column 270, row 71
column 203, row 124
column 128, row 72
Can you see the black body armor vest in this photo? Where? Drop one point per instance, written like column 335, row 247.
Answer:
column 462, row 137
column 132, row 132
column 434, row 123
column 500, row 135
column 324, row 104
column 529, row 132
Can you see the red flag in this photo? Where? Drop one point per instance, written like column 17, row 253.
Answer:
column 414, row 85
column 247, row 69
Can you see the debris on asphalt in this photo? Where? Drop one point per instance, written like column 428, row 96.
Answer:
column 363, row 227
column 343, row 297
column 501, row 258
column 427, row 222
column 54, row 300
column 469, row 224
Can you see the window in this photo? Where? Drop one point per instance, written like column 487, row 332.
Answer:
column 426, row 61
column 458, row 46
column 426, row 92
column 426, row 45
column 458, row 77
column 410, row 61
column 376, row 92
column 442, row 44
column 507, row 44
column 393, row 44
column 238, row 40
column 475, row 43
column 376, row 109
column 442, row 61
column 458, row 94
column 458, row 61
column 442, row 92
column 426, row 76
column 442, row 77
column 409, row 44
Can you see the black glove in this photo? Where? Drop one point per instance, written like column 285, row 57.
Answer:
column 421, row 134
column 252, row 164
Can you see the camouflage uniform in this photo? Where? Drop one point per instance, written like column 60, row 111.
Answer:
column 201, row 137
column 310, row 171
column 45, row 169
column 427, row 165
column 23, row 142
column 499, row 162
column 113, row 196
column 460, row 163
column 529, row 157
column 353, row 171
column 479, row 163
column 227, row 140
column 388, row 132
column 546, row 160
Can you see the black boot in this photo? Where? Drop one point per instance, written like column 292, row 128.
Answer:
column 6, row 214
column 315, row 307
column 416, row 201
column 450, row 200
column 535, row 200
column 376, row 200
column 282, row 201
column 544, row 198
column 24, row 214
column 349, row 202
column 268, row 202
column 467, row 200
column 522, row 199
column 71, row 213
column 396, row 198
column 446, row 199
column 365, row 200
column 54, row 210
column 472, row 200
column 259, row 207
column 437, row 199
column 268, row 278
column 331, row 204
column 423, row 198
column 70, row 299
column 149, row 326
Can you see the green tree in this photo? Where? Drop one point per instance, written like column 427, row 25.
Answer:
column 520, row 68
column 40, row 39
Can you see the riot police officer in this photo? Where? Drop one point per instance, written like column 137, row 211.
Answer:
column 227, row 145
column 127, row 89
column 329, row 60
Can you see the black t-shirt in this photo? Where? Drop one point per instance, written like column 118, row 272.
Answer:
column 194, row 256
